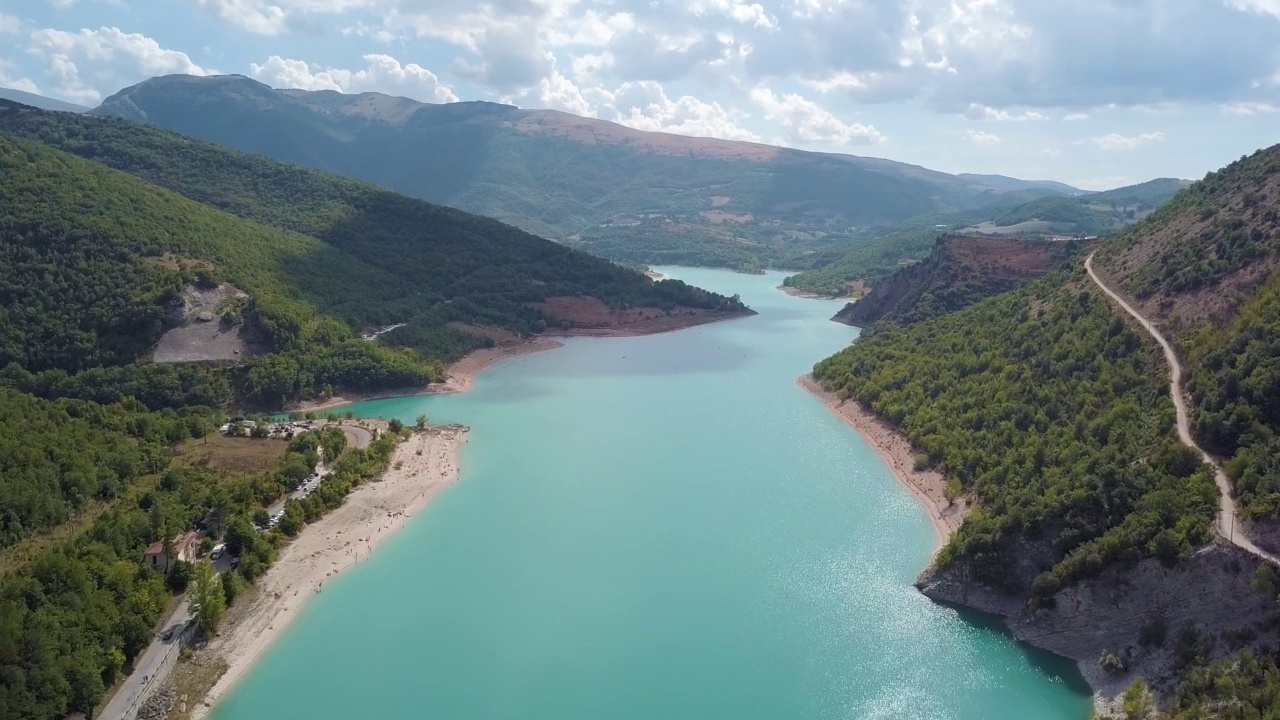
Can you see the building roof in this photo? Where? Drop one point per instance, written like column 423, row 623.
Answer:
column 182, row 541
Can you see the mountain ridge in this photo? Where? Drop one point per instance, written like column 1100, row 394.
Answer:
column 626, row 194
column 40, row 101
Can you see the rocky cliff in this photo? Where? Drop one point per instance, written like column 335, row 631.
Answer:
column 1153, row 619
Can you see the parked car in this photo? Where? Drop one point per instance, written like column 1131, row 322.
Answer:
column 217, row 551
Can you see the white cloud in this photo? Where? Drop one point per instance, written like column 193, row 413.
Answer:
column 111, row 56
column 644, row 105
column 254, row 16
column 382, row 73
column 362, row 30
column 948, row 54
column 1075, row 117
column 592, row 29
column 9, row 24
column 807, row 121
column 978, row 137
column 1051, row 152
column 1249, row 108
column 1267, row 7
column 978, row 111
column 742, row 12
column 1116, row 141
column 10, row 80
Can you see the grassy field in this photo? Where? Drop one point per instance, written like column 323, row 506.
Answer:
column 223, row 454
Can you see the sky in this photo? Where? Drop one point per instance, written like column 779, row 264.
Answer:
column 1094, row 93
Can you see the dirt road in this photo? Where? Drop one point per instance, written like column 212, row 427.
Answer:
column 1226, row 525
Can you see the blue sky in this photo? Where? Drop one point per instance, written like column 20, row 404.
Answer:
column 1096, row 93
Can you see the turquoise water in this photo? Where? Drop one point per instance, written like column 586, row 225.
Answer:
column 656, row 527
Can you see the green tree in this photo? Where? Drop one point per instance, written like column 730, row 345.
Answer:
column 208, row 600
column 421, row 422
column 1137, row 701
column 292, row 521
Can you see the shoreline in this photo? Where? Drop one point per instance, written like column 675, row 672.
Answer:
column 895, row 450
column 462, row 374
column 372, row 513
column 808, row 295
column 654, row 326
column 421, row 467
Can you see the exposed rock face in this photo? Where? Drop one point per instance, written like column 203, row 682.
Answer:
column 1211, row 593
column 960, row 271
column 196, row 338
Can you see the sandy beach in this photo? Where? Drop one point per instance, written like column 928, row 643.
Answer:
column 927, row 486
column 422, row 466
column 461, row 375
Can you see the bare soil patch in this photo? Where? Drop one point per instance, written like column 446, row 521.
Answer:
column 207, row 327
column 225, row 454
column 204, row 342
column 1002, row 257
column 191, row 680
column 716, row 217
column 1029, row 226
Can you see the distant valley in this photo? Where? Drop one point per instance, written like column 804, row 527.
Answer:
column 620, row 193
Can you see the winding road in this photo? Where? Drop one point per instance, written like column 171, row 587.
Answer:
column 1226, row 506
column 357, row 436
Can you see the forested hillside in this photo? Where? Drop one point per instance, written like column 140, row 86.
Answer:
column 1035, row 403
column 322, row 257
column 1208, row 268
column 107, row 230
column 868, row 261
column 959, row 272
column 1048, row 409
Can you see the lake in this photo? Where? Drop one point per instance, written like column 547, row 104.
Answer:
column 655, row 527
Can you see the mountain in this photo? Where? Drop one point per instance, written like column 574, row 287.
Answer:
column 622, row 193
column 1008, row 183
column 1148, row 195
column 960, row 271
column 297, row 262
column 867, row 261
column 1207, row 270
column 39, row 101
column 1090, row 526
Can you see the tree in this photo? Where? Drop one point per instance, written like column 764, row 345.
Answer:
column 1136, row 700
column 395, row 425
column 179, row 575
column 208, row 599
column 292, row 521
column 421, row 422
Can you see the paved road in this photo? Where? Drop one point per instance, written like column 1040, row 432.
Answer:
column 146, row 665
column 149, row 661
column 357, row 436
column 1226, row 525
